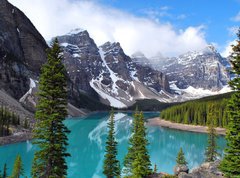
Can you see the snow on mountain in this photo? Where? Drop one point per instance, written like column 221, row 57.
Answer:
column 205, row 70
column 193, row 93
column 115, row 79
column 107, row 72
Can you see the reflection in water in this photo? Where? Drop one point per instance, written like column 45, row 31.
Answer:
column 87, row 144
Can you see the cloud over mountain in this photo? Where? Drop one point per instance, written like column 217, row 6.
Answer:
column 54, row 18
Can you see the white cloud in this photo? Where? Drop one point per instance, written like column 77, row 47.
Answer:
column 236, row 18
column 52, row 18
column 228, row 49
column 233, row 30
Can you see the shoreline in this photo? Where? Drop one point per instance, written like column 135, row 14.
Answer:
column 156, row 121
column 20, row 137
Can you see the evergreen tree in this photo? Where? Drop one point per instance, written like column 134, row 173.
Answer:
column 181, row 158
column 137, row 161
column 111, row 167
column 211, row 150
column 4, row 171
column 230, row 164
column 17, row 168
column 155, row 168
column 129, row 158
column 50, row 134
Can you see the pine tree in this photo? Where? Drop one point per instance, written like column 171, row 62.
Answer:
column 50, row 134
column 211, row 150
column 111, row 167
column 4, row 171
column 155, row 168
column 137, row 161
column 181, row 158
column 17, row 168
column 230, row 164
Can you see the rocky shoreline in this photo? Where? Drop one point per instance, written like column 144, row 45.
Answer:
column 17, row 137
column 192, row 128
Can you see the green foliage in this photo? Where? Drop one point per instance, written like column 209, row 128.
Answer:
column 7, row 118
column 197, row 113
column 17, row 168
column 181, row 158
column 231, row 162
column 50, row 134
column 150, row 105
column 211, row 150
column 111, row 166
column 155, row 168
column 137, row 161
column 169, row 176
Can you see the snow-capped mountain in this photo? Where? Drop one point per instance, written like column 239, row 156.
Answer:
column 108, row 73
column 195, row 74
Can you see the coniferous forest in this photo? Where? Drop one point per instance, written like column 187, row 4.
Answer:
column 133, row 90
column 7, row 118
column 198, row 113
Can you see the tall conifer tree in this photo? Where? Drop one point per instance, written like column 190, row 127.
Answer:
column 111, row 166
column 211, row 150
column 230, row 164
column 181, row 158
column 50, row 134
column 137, row 161
column 17, row 168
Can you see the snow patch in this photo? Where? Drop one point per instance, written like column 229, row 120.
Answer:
column 133, row 75
column 76, row 55
column 75, row 31
column 112, row 74
column 113, row 102
column 192, row 93
column 29, row 92
column 64, row 44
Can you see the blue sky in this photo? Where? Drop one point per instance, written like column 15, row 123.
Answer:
column 166, row 27
column 217, row 16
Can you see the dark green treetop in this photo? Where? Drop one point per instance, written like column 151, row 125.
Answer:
column 230, row 164
column 181, row 158
column 111, row 166
column 50, row 134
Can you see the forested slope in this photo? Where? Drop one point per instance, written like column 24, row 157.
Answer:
column 198, row 112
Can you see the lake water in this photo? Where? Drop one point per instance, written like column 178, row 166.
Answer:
column 87, row 143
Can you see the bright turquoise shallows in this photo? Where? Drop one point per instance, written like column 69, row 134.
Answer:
column 87, row 143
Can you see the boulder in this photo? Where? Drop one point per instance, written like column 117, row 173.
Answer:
column 180, row 168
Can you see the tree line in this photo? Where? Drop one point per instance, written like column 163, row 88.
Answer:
column 7, row 118
column 198, row 113
column 50, row 133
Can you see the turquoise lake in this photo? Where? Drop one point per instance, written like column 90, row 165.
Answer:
column 87, row 143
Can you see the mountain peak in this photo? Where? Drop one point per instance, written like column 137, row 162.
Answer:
column 111, row 46
column 76, row 31
column 138, row 54
column 209, row 49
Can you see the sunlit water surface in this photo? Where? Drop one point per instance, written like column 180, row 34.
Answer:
column 87, row 143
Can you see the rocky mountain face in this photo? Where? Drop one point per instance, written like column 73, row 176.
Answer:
column 205, row 69
column 99, row 77
column 22, row 52
column 107, row 73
